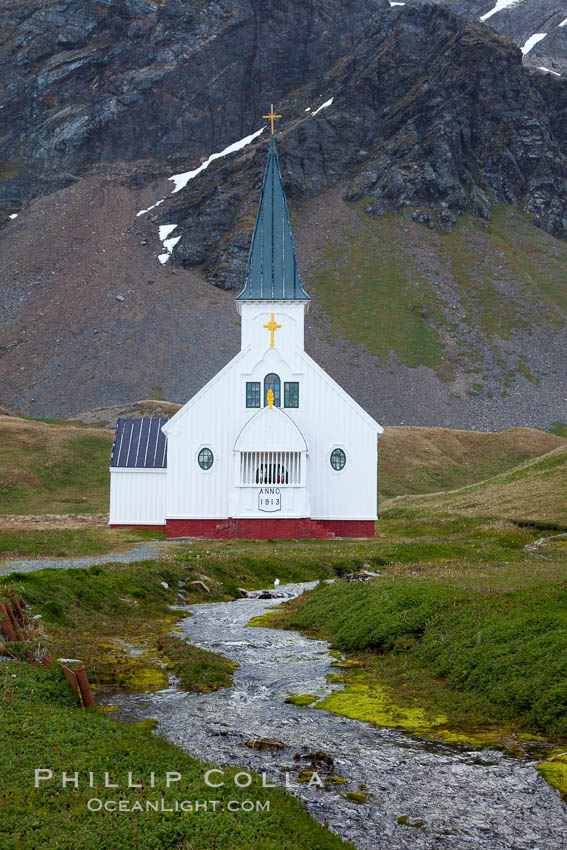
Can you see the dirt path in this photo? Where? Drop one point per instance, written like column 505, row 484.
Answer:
column 49, row 522
column 147, row 551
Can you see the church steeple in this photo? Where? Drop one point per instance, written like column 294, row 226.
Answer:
column 273, row 273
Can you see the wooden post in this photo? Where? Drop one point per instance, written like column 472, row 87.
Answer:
column 11, row 615
column 84, row 687
column 18, row 609
column 8, row 630
column 72, row 679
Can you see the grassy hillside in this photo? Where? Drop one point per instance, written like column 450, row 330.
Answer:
column 444, row 300
column 52, row 468
column 534, row 491
column 504, row 652
column 59, row 468
column 425, row 460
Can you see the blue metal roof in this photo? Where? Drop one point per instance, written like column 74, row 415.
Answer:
column 139, row 444
column 273, row 273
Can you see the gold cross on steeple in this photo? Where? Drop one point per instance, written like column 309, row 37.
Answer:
column 271, row 117
column 272, row 326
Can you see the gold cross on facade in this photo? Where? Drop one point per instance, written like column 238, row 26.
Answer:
column 272, row 326
column 271, row 117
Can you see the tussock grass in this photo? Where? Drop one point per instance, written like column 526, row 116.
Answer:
column 423, row 460
column 536, row 490
column 463, row 623
column 52, row 468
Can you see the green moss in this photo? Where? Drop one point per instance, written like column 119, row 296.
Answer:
column 404, row 820
column 149, row 724
column 334, row 780
column 500, row 737
column 302, row 699
column 118, row 667
column 144, row 678
column 373, row 703
column 53, row 612
column 357, row 796
column 264, row 620
column 554, row 771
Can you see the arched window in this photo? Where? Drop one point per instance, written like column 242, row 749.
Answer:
column 272, row 382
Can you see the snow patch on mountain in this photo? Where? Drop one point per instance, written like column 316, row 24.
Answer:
column 181, row 180
column 165, row 230
column 323, row 106
column 532, row 41
column 500, row 4
column 168, row 244
column 153, row 206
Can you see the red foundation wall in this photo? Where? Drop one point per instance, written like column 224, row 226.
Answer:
column 349, row 527
column 265, row 529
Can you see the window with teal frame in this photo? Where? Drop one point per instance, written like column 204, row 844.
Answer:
column 253, row 394
column 272, row 382
column 291, row 394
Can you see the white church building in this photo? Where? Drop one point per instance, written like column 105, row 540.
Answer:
column 272, row 446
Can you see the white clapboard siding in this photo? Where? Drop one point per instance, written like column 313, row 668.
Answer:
column 138, row 496
column 243, row 439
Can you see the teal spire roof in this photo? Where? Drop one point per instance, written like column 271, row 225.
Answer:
column 272, row 273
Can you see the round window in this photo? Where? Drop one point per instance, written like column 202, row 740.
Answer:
column 205, row 458
column 338, row 459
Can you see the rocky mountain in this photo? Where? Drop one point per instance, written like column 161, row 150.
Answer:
column 429, row 115
column 150, row 82
column 537, row 27
column 424, row 164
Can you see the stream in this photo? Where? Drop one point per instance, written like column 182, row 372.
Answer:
column 463, row 799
